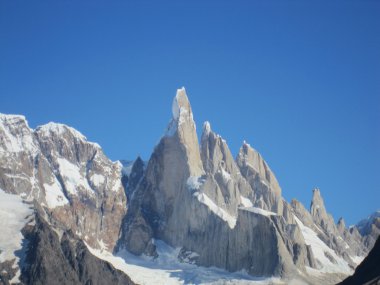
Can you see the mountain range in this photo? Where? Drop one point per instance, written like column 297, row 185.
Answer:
column 191, row 214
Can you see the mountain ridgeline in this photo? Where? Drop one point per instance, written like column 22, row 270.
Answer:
column 192, row 194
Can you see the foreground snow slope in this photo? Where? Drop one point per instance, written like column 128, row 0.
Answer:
column 167, row 270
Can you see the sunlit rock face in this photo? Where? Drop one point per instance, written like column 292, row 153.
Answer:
column 191, row 194
column 230, row 213
column 76, row 184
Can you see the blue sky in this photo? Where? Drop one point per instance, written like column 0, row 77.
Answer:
column 299, row 80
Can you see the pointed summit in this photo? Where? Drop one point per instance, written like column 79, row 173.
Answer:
column 206, row 127
column 317, row 206
column 181, row 104
column 341, row 225
column 261, row 178
column 182, row 121
column 250, row 159
column 182, row 131
column 319, row 213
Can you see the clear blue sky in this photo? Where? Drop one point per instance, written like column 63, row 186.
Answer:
column 299, row 80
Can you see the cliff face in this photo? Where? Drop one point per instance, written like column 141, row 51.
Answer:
column 230, row 213
column 191, row 194
column 75, row 183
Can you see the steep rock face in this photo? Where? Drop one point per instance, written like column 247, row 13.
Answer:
column 223, row 182
column 319, row 213
column 302, row 214
column 162, row 203
column 186, row 193
column 54, row 257
column 341, row 240
column 258, row 174
column 229, row 213
column 132, row 174
column 77, row 185
column 32, row 251
column 182, row 130
column 338, row 238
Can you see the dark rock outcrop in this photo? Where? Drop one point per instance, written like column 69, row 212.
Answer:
column 55, row 257
column 368, row 272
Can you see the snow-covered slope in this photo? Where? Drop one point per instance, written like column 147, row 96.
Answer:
column 14, row 215
column 69, row 177
column 166, row 269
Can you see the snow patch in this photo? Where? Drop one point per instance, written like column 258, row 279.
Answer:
column 319, row 248
column 72, row 176
column 258, row 211
column 13, row 217
column 14, row 137
column 54, row 195
column 357, row 259
column 61, row 129
column 166, row 269
column 225, row 175
column 176, row 108
column 194, row 182
column 221, row 213
column 179, row 112
column 206, row 127
column 97, row 179
column 246, row 202
column 117, row 185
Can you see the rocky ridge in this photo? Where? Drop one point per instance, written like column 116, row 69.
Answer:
column 77, row 186
column 191, row 193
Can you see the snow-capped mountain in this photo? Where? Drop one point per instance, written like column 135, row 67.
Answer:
column 70, row 182
column 230, row 213
column 192, row 207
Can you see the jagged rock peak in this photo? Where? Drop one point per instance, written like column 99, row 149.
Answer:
column 317, row 203
column 181, row 104
column 341, row 225
column 206, row 127
column 341, row 222
column 15, row 134
column 182, row 130
column 182, row 115
column 215, row 152
column 57, row 129
column 11, row 117
column 138, row 162
column 251, row 158
column 319, row 213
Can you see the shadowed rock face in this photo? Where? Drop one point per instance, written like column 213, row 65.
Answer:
column 132, row 174
column 368, row 272
column 64, row 259
column 369, row 228
column 75, row 183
